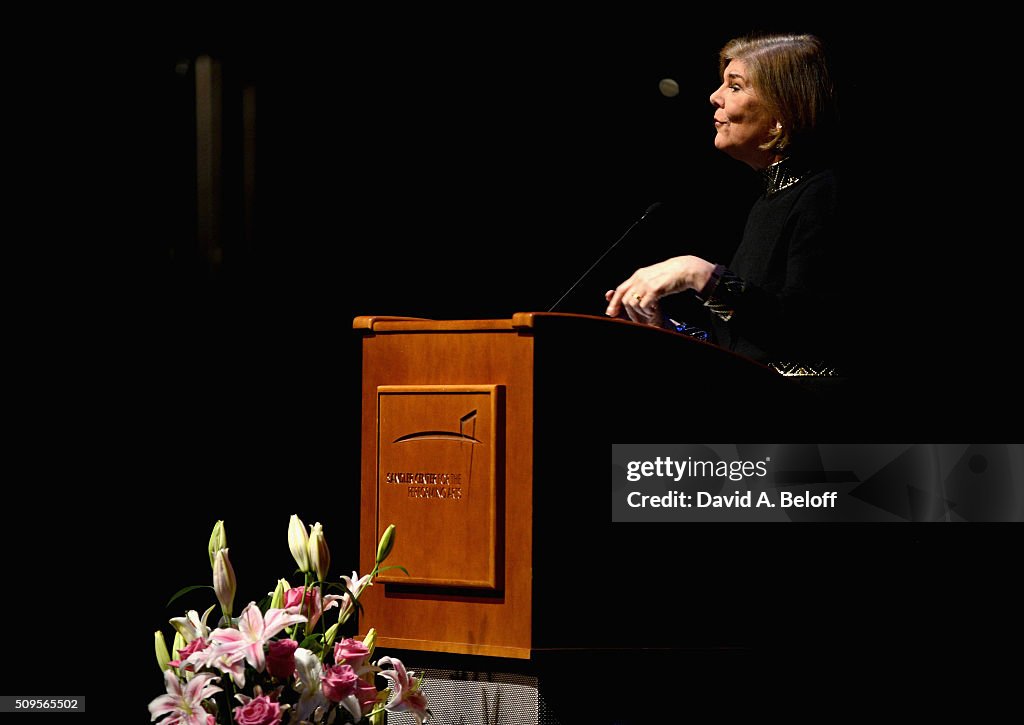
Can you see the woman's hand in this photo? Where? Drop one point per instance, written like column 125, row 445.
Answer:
column 638, row 296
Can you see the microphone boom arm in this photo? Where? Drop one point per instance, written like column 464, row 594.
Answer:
column 625, row 234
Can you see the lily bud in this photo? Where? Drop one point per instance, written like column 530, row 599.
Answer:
column 298, row 542
column 218, row 540
column 160, row 646
column 330, row 634
column 319, row 554
column 387, row 542
column 378, row 714
column 370, row 641
column 277, row 600
column 178, row 646
column 224, row 581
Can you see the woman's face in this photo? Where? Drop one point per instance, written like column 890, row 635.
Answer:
column 741, row 120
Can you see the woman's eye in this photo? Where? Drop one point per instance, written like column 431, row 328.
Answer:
column 734, row 87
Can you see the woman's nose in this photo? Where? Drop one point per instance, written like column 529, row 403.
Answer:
column 716, row 97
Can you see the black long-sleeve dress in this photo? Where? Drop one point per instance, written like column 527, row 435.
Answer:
column 785, row 297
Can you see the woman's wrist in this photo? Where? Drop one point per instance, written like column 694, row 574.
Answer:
column 723, row 292
column 706, row 279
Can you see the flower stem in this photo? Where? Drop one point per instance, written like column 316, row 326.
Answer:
column 228, row 693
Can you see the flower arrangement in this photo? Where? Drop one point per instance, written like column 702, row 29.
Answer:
column 277, row 662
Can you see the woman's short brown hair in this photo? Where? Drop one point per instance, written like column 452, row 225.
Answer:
column 791, row 76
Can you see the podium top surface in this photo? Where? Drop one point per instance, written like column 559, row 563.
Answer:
column 518, row 321
column 577, row 334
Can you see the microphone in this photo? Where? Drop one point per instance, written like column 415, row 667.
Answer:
column 625, row 234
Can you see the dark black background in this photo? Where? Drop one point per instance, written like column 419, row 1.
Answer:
column 456, row 164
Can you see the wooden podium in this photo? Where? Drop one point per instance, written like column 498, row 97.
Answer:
column 487, row 443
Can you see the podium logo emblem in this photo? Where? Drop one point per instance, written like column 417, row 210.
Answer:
column 468, row 421
column 437, row 448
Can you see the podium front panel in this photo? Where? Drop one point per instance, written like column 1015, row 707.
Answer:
column 447, row 410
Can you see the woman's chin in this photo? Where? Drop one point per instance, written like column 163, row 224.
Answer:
column 723, row 145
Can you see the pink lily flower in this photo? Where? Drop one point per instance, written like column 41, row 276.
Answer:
column 408, row 696
column 184, row 706
column 254, row 632
column 355, row 584
column 230, row 663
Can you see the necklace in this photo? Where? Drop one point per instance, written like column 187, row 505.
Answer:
column 781, row 175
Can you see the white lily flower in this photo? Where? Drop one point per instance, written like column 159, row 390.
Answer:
column 308, row 671
column 191, row 626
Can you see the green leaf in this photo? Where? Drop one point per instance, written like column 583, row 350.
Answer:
column 330, row 586
column 353, row 597
column 348, row 591
column 186, row 590
column 395, row 566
